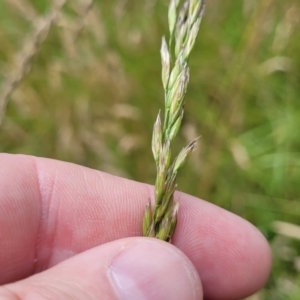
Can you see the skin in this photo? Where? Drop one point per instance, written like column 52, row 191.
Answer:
column 66, row 230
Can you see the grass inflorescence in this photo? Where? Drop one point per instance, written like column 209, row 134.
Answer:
column 184, row 23
column 83, row 101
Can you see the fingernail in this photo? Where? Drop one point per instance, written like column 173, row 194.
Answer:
column 153, row 269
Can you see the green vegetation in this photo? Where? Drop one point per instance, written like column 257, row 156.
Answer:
column 94, row 90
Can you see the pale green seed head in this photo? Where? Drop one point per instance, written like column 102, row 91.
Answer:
column 176, row 126
column 181, row 27
column 184, row 26
column 167, row 204
column 183, row 155
column 166, row 153
column 180, row 38
column 163, row 233
column 176, row 114
column 159, row 185
column 172, row 16
column 173, row 221
column 147, row 218
column 160, row 181
column 192, row 38
column 193, row 8
column 183, row 14
column 165, row 61
column 151, row 231
column 172, row 94
column 164, row 229
column 157, row 139
column 175, row 73
column 178, row 91
column 196, row 10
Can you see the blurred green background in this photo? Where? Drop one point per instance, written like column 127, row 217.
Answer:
column 91, row 93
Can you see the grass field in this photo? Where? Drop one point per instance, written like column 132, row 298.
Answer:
column 88, row 92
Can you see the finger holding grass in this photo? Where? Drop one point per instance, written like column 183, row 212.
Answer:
column 184, row 23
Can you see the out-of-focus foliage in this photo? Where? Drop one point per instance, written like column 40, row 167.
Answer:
column 94, row 89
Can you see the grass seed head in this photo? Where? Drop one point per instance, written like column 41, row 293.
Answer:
column 184, row 155
column 184, row 26
column 165, row 61
column 157, row 139
column 147, row 220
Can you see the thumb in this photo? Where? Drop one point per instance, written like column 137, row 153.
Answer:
column 132, row 268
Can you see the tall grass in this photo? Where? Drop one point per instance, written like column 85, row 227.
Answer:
column 94, row 87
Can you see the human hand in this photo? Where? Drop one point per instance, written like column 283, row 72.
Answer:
column 81, row 228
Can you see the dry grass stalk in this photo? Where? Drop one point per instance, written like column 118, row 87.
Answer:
column 184, row 23
column 28, row 53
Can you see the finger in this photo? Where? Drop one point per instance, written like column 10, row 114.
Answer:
column 230, row 254
column 53, row 210
column 132, row 268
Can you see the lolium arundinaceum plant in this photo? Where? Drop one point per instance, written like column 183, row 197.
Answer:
column 184, row 21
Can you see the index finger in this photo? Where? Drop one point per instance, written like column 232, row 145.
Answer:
column 52, row 210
